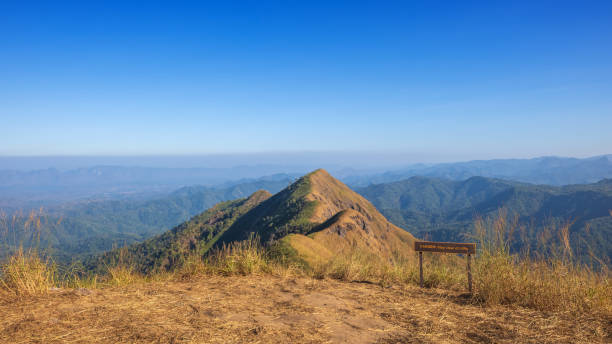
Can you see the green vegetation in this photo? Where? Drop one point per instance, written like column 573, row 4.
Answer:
column 267, row 218
column 289, row 211
column 80, row 230
column 444, row 210
column 194, row 237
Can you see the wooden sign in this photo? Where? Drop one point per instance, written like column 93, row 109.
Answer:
column 446, row 247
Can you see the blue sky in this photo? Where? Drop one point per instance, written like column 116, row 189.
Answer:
column 436, row 81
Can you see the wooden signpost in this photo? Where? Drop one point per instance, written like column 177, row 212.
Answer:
column 446, row 247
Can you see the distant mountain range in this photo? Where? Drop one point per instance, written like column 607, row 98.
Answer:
column 544, row 170
column 444, row 210
column 50, row 187
column 311, row 220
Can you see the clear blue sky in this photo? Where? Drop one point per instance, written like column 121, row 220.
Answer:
column 439, row 80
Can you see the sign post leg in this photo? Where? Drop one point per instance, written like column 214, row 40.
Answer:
column 469, row 272
column 421, row 268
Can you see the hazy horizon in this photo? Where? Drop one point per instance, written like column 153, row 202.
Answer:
column 285, row 162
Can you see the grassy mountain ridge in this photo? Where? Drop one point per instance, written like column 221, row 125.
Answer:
column 318, row 213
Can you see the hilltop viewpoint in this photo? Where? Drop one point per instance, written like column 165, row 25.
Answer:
column 314, row 263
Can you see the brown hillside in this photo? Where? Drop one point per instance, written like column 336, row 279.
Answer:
column 347, row 221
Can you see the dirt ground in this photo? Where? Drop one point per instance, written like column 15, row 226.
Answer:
column 266, row 309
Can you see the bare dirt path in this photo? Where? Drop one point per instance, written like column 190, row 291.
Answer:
column 266, row 309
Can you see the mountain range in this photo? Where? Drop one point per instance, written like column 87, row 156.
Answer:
column 22, row 189
column 544, row 170
column 444, row 210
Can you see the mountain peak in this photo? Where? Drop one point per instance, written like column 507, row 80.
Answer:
column 332, row 196
column 320, row 172
column 320, row 208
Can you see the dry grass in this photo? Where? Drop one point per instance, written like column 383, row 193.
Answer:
column 440, row 271
column 27, row 274
column 543, row 285
column 252, row 309
column 243, row 258
column 121, row 276
column 551, row 283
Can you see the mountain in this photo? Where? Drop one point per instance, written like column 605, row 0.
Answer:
column 90, row 227
column 444, row 210
column 313, row 218
column 317, row 214
column 543, row 170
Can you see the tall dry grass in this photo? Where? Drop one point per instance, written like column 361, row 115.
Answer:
column 243, row 258
column 122, row 271
column 362, row 266
column 25, row 273
column 550, row 282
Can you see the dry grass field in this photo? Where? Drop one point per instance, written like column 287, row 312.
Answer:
column 263, row 308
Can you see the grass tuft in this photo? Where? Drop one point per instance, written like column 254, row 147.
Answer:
column 121, row 275
column 240, row 258
column 25, row 273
